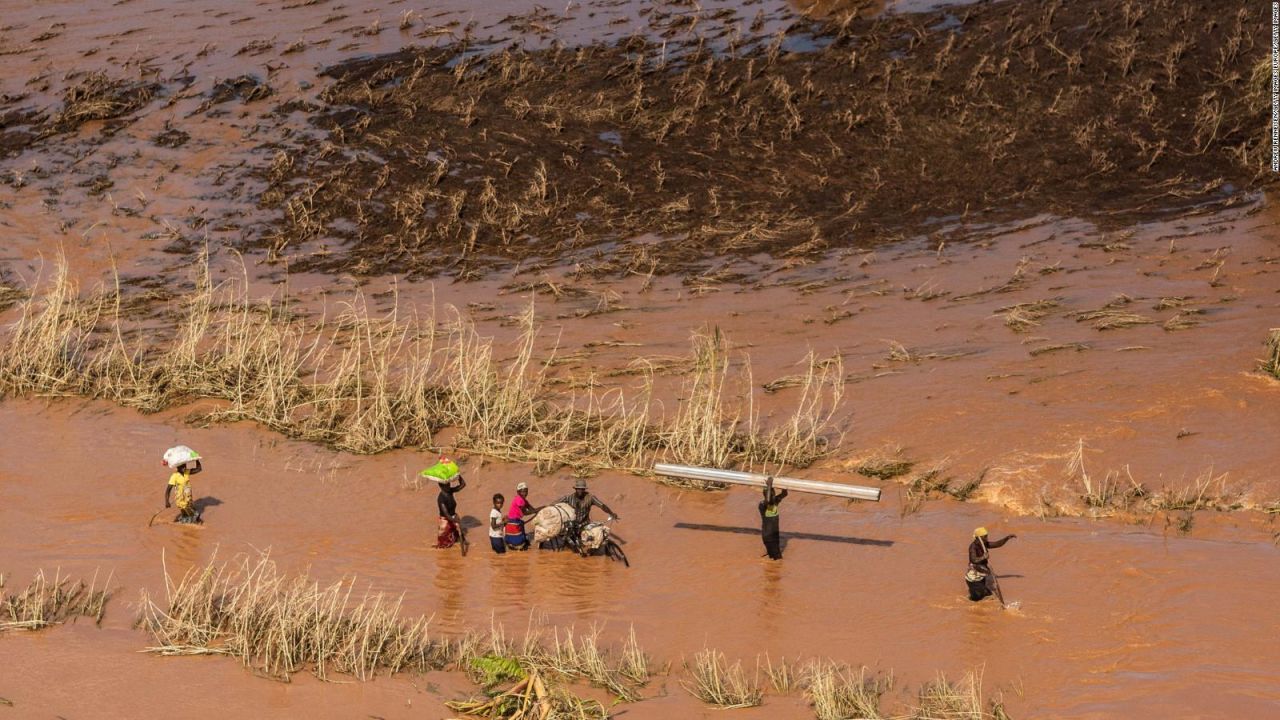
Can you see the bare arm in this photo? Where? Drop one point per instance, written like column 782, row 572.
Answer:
column 604, row 507
column 168, row 490
column 1001, row 541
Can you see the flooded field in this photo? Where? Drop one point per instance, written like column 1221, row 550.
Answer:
column 1083, row 366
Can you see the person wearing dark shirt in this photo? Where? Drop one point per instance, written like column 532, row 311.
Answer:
column 582, row 501
column 769, row 531
column 447, row 505
column 980, row 579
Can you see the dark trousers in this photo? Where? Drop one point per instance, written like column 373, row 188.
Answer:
column 770, row 535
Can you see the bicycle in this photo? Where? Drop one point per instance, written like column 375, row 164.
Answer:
column 587, row 539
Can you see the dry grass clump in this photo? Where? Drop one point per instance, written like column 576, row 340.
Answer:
column 532, row 698
column 279, row 626
column 1112, row 316
column 1208, row 491
column 1118, row 492
column 365, row 382
column 836, row 692
column 1270, row 363
column 1107, row 493
column 98, row 97
column 9, row 296
column 933, row 481
column 711, row 679
column 1023, row 316
column 581, row 657
column 884, row 468
column 943, row 699
column 46, row 602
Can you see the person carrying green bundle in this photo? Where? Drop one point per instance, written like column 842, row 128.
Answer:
column 444, row 472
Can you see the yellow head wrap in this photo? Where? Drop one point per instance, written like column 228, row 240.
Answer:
column 980, row 532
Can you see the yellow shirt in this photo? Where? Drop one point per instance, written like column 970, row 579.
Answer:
column 182, row 482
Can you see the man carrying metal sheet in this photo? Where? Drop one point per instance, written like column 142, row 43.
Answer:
column 769, row 520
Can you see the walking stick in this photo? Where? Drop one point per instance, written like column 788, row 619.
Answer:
column 153, row 517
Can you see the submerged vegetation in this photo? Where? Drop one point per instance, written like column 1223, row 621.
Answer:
column 46, row 602
column 719, row 142
column 278, row 625
column 365, row 383
column 1270, row 363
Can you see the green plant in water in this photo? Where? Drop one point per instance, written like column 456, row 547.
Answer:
column 490, row 670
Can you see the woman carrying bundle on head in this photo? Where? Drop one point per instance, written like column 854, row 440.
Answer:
column 445, row 472
column 184, row 462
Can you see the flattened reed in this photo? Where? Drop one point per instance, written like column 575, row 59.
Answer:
column 837, row 692
column 46, row 602
column 712, row 679
column 365, row 381
column 1270, row 363
column 278, row 625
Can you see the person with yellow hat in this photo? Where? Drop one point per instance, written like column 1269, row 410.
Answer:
column 980, row 579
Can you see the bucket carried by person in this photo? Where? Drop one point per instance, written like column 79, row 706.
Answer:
column 977, row 582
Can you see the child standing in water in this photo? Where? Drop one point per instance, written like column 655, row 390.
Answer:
column 496, row 540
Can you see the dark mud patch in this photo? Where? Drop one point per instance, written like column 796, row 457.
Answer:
column 246, row 88
column 449, row 160
column 18, row 130
column 171, row 138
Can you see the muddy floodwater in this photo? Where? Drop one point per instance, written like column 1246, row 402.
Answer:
column 1088, row 381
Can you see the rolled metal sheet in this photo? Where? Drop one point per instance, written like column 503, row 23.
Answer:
column 689, row 472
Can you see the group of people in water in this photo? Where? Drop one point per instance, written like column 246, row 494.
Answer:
column 507, row 528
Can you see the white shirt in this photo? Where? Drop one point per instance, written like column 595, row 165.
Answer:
column 495, row 513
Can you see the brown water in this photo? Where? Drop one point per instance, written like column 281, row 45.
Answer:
column 1118, row 619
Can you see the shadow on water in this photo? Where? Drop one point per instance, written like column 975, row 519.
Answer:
column 785, row 535
column 205, row 502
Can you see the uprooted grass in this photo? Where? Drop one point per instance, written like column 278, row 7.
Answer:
column 837, row 692
column 944, row 699
column 279, row 625
column 1270, row 363
column 366, row 382
column 46, row 602
column 743, row 146
column 1118, row 493
column 712, row 679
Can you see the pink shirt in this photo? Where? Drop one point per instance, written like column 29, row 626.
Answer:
column 518, row 506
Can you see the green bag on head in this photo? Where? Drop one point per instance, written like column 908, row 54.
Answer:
column 445, row 470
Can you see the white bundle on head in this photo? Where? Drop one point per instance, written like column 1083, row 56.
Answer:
column 178, row 455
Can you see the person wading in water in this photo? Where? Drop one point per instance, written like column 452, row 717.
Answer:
column 769, row 519
column 521, row 509
column 980, row 579
column 447, row 504
column 582, row 502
